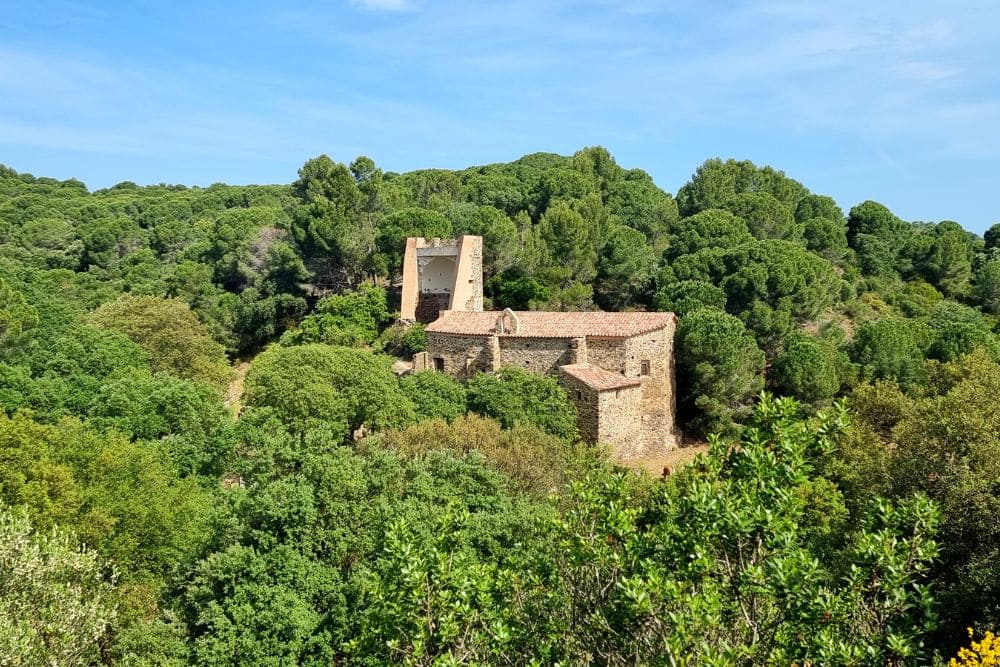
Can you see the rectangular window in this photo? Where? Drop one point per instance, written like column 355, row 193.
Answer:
column 644, row 367
column 439, row 363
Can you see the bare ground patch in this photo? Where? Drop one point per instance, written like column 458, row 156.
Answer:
column 234, row 391
column 672, row 460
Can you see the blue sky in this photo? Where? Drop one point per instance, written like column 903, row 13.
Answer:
column 859, row 99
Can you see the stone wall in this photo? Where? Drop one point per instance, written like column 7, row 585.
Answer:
column 422, row 362
column 462, row 356
column 618, row 418
column 606, row 353
column 658, row 410
column 632, row 421
column 543, row 356
column 609, row 417
column 468, row 287
column 465, row 355
column 657, row 347
column 587, row 402
column 437, row 274
column 410, row 290
column 429, row 306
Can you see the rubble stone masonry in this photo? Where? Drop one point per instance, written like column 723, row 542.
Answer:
column 430, row 305
column 587, row 402
column 620, row 425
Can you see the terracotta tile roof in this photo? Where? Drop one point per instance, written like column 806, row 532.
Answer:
column 542, row 324
column 598, row 378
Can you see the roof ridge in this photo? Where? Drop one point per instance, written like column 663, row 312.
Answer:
column 553, row 324
column 599, row 378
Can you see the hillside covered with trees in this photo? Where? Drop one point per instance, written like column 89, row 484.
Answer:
column 159, row 508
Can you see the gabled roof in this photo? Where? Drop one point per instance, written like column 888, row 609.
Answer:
column 598, row 378
column 542, row 324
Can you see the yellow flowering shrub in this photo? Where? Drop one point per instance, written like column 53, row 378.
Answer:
column 984, row 653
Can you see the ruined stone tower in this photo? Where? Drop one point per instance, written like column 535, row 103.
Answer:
column 440, row 275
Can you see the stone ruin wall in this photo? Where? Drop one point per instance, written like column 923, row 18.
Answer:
column 468, row 290
column 430, row 305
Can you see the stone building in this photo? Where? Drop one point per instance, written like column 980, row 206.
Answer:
column 441, row 274
column 618, row 368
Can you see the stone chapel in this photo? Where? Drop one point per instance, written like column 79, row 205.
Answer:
column 618, row 368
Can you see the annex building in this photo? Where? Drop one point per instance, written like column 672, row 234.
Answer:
column 618, row 368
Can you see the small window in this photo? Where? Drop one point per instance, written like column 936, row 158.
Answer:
column 644, row 367
column 579, row 395
column 439, row 363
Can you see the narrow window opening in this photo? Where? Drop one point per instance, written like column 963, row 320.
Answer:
column 644, row 367
column 439, row 363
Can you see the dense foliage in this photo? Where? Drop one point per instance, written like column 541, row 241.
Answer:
column 729, row 564
column 53, row 596
column 206, row 456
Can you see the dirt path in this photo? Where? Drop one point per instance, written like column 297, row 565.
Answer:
column 654, row 465
column 234, row 392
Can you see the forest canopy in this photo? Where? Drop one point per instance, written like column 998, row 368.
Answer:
column 207, row 458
